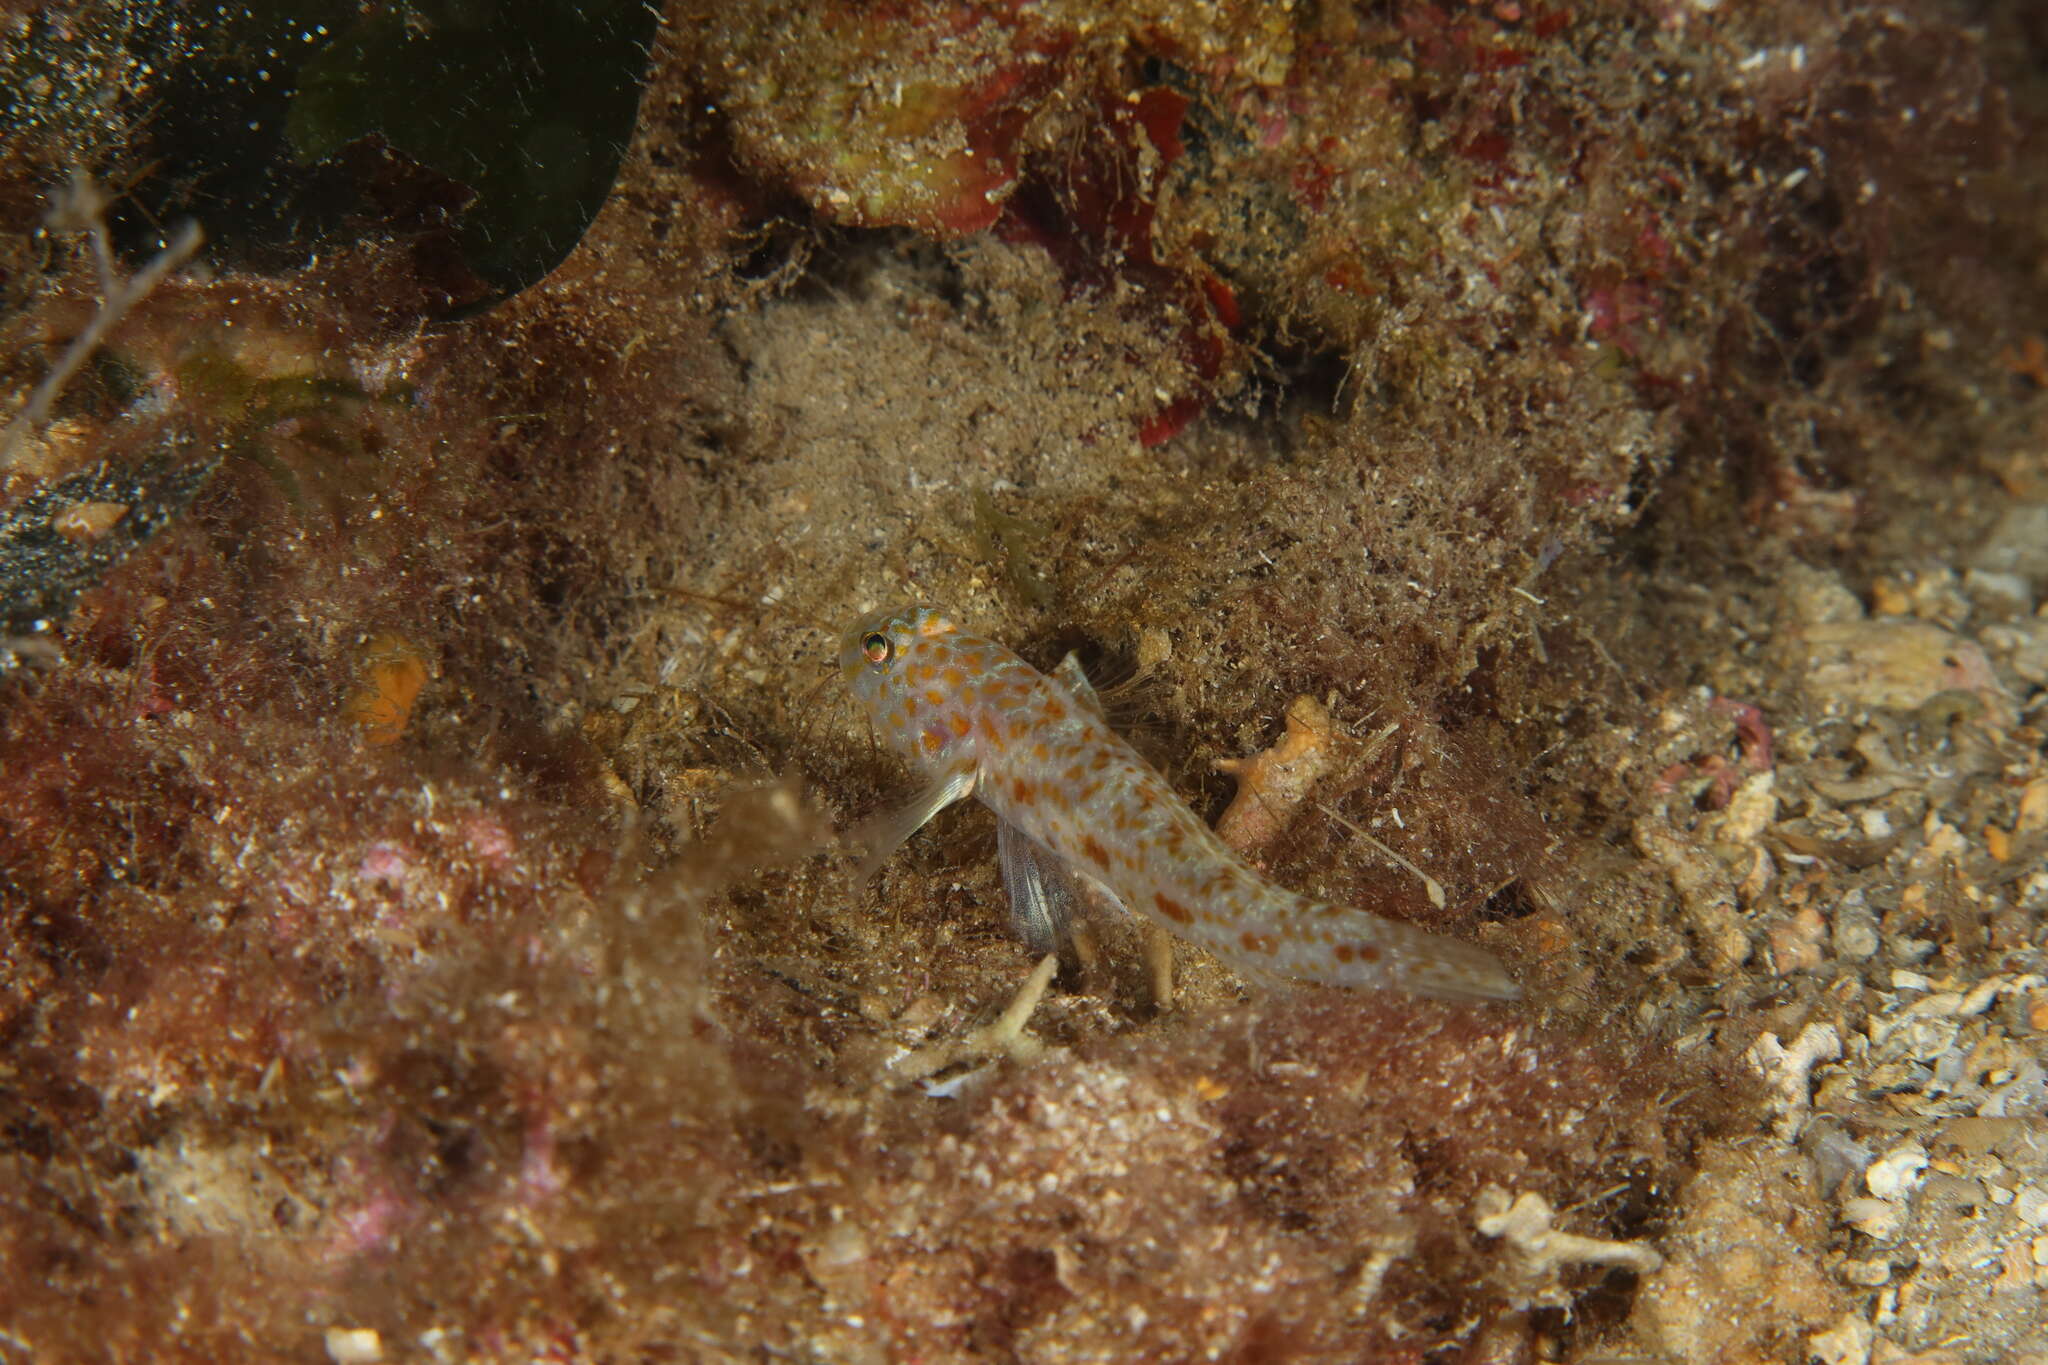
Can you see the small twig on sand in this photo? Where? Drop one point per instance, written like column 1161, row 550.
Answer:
column 1430, row 885
column 81, row 206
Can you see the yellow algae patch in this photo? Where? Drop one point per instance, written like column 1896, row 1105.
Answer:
column 394, row 672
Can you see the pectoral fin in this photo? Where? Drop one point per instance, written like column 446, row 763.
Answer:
column 883, row 834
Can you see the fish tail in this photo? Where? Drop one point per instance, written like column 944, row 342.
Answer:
column 1343, row 946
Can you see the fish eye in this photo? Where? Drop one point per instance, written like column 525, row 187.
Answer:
column 877, row 647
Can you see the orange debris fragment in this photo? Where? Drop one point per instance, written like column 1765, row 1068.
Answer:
column 2029, row 359
column 1273, row 784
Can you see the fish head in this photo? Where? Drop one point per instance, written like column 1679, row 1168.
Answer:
column 878, row 658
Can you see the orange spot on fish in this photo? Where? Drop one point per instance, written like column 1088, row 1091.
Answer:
column 1172, row 908
column 1024, row 792
column 953, row 677
column 1097, row 854
column 1055, row 709
column 960, row 725
column 1255, row 943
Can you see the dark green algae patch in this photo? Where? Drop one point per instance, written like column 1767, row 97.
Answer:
column 294, row 128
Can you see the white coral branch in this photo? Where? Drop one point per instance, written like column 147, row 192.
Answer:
column 1537, row 1250
column 1005, row 1037
column 1790, row 1071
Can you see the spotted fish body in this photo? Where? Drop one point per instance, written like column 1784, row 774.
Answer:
column 1075, row 800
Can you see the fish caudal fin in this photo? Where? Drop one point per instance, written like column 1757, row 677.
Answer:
column 1341, row 946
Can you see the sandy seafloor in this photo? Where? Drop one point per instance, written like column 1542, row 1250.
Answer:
column 1597, row 454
